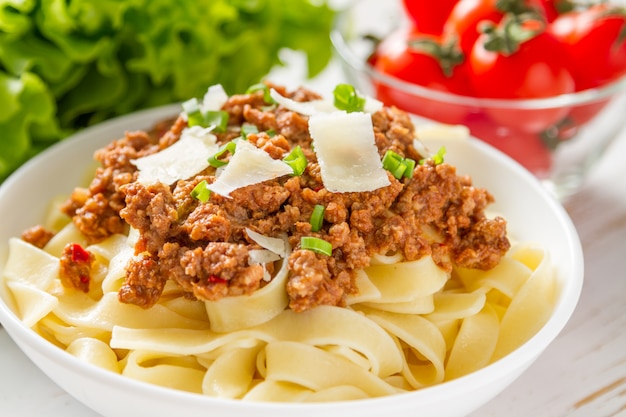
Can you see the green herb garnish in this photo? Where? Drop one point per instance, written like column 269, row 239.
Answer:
column 346, row 98
column 317, row 218
column 317, row 245
column 296, row 160
column 201, row 191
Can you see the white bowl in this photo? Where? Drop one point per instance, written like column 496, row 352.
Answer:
column 532, row 213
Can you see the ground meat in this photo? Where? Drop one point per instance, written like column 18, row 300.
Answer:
column 144, row 282
column 37, row 235
column 446, row 210
column 151, row 210
column 204, row 246
column 312, row 283
column 75, row 267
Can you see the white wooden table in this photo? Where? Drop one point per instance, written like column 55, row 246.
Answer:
column 582, row 374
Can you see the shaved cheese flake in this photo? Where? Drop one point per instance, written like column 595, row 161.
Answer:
column 181, row 160
column 303, row 107
column 249, row 165
column 346, row 152
column 262, row 256
column 214, row 98
column 273, row 244
column 372, row 105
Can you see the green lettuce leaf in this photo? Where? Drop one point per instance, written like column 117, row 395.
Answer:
column 65, row 65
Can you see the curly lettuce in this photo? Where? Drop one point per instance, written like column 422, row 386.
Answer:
column 65, row 65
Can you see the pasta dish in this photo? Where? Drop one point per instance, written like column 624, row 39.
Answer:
column 277, row 245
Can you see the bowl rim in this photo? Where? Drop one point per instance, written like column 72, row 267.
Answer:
column 348, row 56
column 537, row 343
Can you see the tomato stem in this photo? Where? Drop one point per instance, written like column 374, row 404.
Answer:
column 515, row 7
column 514, row 30
column 448, row 55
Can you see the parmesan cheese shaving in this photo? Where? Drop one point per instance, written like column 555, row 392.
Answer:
column 346, row 152
column 273, row 244
column 307, row 107
column 181, row 160
column 214, row 98
column 249, row 165
column 372, row 105
column 262, row 257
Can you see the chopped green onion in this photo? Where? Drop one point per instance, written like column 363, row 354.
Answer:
column 296, row 160
column 410, row 166
column 191, row 107
column 271, row 133
column 317, row 218
column 248, row 128
column 346, row 98
column 201, row 191
column 197, row 117
column 217, row 118
column 437, row 158
column 215, row 160
column 317, row 245
column 267, row 97
column 397, row 165
column 391, row 160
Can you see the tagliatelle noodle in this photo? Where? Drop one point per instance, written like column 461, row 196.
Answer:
column 423, row 339
column 470, row 315
column 179, row 372
column 63, row 334
column 532, row 305
column 477, row 338
column 32, row 303
column 404, row 287
column 94, row 351
column 230, row 375
column 324, row 325
column 316, row 369
column 69, row 233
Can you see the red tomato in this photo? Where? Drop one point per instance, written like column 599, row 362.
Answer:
column 537, row 69
column 465, row 19
column 429, row 16
column 527, row 149
column 423, row 65
column 594, row 41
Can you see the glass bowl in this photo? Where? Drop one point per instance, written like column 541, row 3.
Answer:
column 559, row 139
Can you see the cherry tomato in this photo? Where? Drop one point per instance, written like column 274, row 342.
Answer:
column 422, row 60
column 536, row 68
column 465, row 20
column 428, row 16
column 595, row 43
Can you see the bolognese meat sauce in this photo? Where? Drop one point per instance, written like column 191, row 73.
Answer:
column 203, row 245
